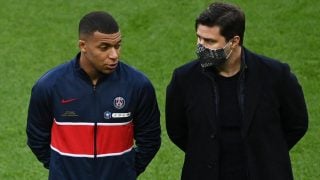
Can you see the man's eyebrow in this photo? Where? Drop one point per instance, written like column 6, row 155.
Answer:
column 109, row 44
column 105, row 44
column 206, row 39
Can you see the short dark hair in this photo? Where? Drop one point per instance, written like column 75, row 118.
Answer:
column 98, row 21
column 229, row 18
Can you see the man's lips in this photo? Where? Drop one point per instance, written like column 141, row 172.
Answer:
column 112, row 66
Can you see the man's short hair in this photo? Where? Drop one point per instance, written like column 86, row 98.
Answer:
column 97, row 21
column 229, row 18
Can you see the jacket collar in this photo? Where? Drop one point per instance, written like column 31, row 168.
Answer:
column 83, row 75
column 78, row 70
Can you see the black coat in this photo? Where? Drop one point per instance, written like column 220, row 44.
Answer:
column 274, row 118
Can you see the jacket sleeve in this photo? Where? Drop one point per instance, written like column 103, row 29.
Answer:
column 147, row 129
column 176, row 122
column 293, row 109
column 39, row 123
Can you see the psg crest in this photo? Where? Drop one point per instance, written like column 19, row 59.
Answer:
column 119, row 102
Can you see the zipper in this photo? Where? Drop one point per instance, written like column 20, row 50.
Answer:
column 95, row 140
column 95, row 129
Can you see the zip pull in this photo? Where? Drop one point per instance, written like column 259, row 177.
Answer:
column 94, row 84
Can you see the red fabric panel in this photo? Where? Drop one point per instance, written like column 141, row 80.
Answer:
column 73, row 139
column 114, row 139
column 77, row 139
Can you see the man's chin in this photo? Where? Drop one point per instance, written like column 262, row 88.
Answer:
column 108, row 71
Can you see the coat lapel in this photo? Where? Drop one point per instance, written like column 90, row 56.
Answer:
column 209, row 87
column 253, row 89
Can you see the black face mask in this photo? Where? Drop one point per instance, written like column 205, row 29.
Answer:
column 208, row 57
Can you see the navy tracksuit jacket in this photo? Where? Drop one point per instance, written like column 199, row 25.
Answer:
column 80, row 131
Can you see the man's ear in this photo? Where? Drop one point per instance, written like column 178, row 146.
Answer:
column 235, row 41
column 82, row 46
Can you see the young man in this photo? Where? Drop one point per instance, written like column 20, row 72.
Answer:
column 94, row 117
column 234, row 113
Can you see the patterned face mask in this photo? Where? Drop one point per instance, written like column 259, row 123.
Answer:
column 214, row 57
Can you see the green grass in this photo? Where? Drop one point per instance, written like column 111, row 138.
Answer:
column 157, row 37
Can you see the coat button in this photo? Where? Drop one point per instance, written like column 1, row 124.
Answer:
column 211, row 164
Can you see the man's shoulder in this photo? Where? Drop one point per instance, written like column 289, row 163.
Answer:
column 188, row 68
column 132, row 74
column 263, row 61
column 51, row 76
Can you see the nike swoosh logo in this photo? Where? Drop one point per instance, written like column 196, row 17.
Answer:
column 65, row 101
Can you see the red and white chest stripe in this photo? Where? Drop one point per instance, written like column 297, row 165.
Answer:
column 84, row 139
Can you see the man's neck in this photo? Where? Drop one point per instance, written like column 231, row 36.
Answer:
column 233, row 64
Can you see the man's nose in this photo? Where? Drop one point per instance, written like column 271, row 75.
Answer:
column 200, row 41
column 113, row 53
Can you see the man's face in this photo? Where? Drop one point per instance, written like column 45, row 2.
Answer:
column 210, row 37
column 101, row 51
